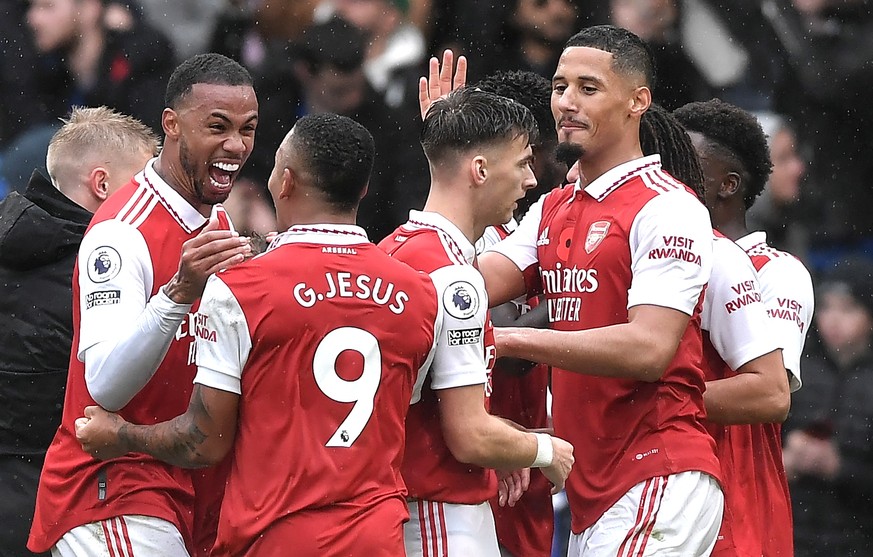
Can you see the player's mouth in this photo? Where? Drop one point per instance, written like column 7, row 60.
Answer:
column 221, row 174
column 568, row 124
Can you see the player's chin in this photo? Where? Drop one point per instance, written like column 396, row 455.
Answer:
column 214, row 192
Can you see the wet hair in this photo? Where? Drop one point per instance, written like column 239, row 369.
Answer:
column 631, row 55
column 211, row 68
column 335, row 43
column 734, row 135
column 338, row 153
column 661, row 133
column 468, row 118
column 530, row 89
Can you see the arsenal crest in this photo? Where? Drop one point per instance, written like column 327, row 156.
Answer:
column 596, row 233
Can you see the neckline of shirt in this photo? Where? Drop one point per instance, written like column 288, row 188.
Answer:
column 752, row 239
column 185, row 214
column 328, row 234
column 610, row 180
column 429, row 219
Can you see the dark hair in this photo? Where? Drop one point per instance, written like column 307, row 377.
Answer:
column 527, row 88
column 631, row 55
column 661, row 133
column 210, row 68
column 468, row 118
column 338, row 152
column 334, row 43
column 738, row 135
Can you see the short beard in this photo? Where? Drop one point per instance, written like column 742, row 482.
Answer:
column 568, row 153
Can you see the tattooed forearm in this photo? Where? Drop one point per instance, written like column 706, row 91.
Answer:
column 179, row 441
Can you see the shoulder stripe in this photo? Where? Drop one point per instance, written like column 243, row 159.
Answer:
column 147, row 210
column 654, row 185
column 132, row 204
column 669, row 179
column 167, row 206
column 142, row 207
column 452, row 249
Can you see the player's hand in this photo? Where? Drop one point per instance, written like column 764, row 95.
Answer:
column 511, row 486
column 98, row 433
column 562, row 462
column 203, row 255
column 439, row 82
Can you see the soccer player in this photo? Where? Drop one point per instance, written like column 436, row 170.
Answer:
column 622, row 262
column 735, row 159
column 95, row 152
column 747, row 384
column 133, row 317
column 307, row 359
column 519, row 387
column 478, row 148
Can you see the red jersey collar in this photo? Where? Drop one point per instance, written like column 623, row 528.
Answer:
column 610, row 181
column 187, row 216
column 327, row 234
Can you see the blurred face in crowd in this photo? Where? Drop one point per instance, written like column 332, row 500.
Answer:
column 54, row 23
column 845, row 324
column 335, row 90
column 650, row 20
column 553, row 21
column 788, row 168
column 214, row 127
column 510, row 173
column 367, row 15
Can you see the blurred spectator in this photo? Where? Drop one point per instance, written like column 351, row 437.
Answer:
column 94, row 154
column 187, row 24
column 85, row 64
column 775, row 211
column 678, row 81
column 81, row 62
column 395, row 47
column 829, row 45
column 828, row 452
column 327, row 63
column 534, row 35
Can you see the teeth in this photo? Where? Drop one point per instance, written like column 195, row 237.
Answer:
column 218, row 184
column 227, row 167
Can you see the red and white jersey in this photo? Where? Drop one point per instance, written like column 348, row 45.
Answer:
column 463, row 356
column 735, row 331
column 786, row 289
column 130, row 250
column 634, row 236
column 526, row 528
column 323, row 337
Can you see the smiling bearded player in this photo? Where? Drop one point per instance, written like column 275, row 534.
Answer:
column 133, row 319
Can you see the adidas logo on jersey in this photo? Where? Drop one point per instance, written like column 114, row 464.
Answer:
column 543, row 240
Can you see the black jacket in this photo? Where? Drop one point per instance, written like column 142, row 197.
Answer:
column 40, row 233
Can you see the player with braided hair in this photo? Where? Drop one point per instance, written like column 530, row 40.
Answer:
column 734, row 155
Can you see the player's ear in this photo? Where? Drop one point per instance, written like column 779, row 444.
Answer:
column 290, row 182
column 640, row 101
column 729, row 185
column 479, row 170
column 170, row 123
column 98, row 183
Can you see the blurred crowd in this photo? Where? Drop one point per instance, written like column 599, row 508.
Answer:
column 804, row 67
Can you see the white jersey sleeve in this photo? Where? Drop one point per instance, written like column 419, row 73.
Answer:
column 124, row 334
column 786, row 289
column 223, row 339
column 733, row 313
column 671, row 252
column 459, row 356
column 520, row 247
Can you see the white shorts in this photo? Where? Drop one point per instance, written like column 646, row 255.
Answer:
column 675, row 516
column 447, row 530
column 122, row 536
